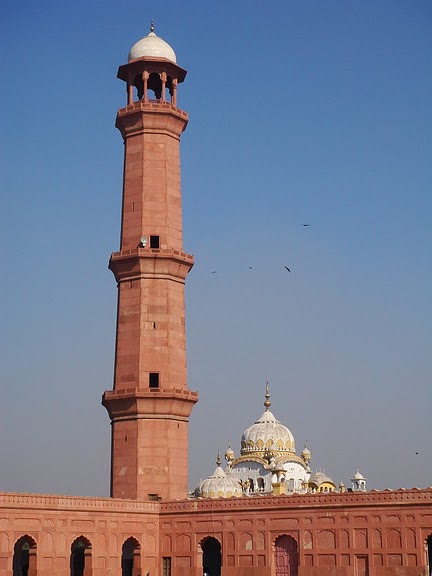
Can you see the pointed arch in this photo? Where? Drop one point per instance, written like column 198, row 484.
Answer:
column 155, row 84
column 131, row 557
column 286, row 556
column 429, row 553
column 81, row 557
column 24, row 557
column 211, row 556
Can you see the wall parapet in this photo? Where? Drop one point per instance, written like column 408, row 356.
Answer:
column 410, row 497
column 15, row 500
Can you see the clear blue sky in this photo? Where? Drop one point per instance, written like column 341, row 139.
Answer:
column 300, row 112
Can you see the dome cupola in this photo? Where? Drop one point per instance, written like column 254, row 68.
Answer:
column 306, row 454
column 358, row 482
column 152, row 73
column 229, row 455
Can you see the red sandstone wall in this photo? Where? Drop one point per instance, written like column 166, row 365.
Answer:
column 369, row 534
column 54, row 522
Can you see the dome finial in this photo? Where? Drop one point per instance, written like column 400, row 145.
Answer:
column 218, row 459
column 267, row 402
column 152, row 25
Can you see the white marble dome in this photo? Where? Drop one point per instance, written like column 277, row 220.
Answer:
column 152, row 45
column 267, row 435
column 219, row 485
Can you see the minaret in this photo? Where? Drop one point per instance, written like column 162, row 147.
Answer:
column 150, row 404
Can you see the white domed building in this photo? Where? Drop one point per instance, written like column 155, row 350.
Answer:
column 268, row 462
column 268, row 465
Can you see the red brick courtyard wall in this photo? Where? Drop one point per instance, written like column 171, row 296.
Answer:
column 351, row 534
column 372, row 533
column 54, row 523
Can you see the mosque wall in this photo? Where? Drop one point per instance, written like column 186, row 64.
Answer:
column 362, row 534
column 52, row 524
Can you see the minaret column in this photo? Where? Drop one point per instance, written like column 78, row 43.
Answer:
column 150, row 404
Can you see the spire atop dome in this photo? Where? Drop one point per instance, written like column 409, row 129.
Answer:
column 152, row 25
column 267, row 402
column 218, row 459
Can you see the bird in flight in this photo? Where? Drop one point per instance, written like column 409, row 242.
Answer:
column 286, row 268
column 250, row 267
column 214, row 272
column 305, row 225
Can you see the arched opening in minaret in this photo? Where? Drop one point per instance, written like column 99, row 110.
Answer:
column 139, row 85
column 24, row 558
column 131, row 558
column 169, row 87
column 155, row 84
column 429, row 554
column 81, row 557
column 286, row 556
column 212, row 557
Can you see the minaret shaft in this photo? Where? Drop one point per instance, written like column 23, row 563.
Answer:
column 152, row 190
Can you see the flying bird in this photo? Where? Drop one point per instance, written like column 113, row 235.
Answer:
column 305, row 225
column 214, row 272
column 286, row 268
column 250, row 268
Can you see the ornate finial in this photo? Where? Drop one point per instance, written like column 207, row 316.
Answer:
column 152, row 25
column 267, row 402
column 218, row 460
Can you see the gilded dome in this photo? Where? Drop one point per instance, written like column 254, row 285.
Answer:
column 153, row 46
column 267, row 435
column 219, row 484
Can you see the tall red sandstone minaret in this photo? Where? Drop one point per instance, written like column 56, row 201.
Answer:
column 150, row 404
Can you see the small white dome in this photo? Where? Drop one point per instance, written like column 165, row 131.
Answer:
column 152, row 45
column 220, row 485
column 229, row 454
column 358, row 476
column 319, row 478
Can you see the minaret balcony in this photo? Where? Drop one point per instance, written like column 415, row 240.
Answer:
column 175, row 403
column 140, row 263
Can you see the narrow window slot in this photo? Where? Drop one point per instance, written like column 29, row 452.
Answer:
column 154, row 380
